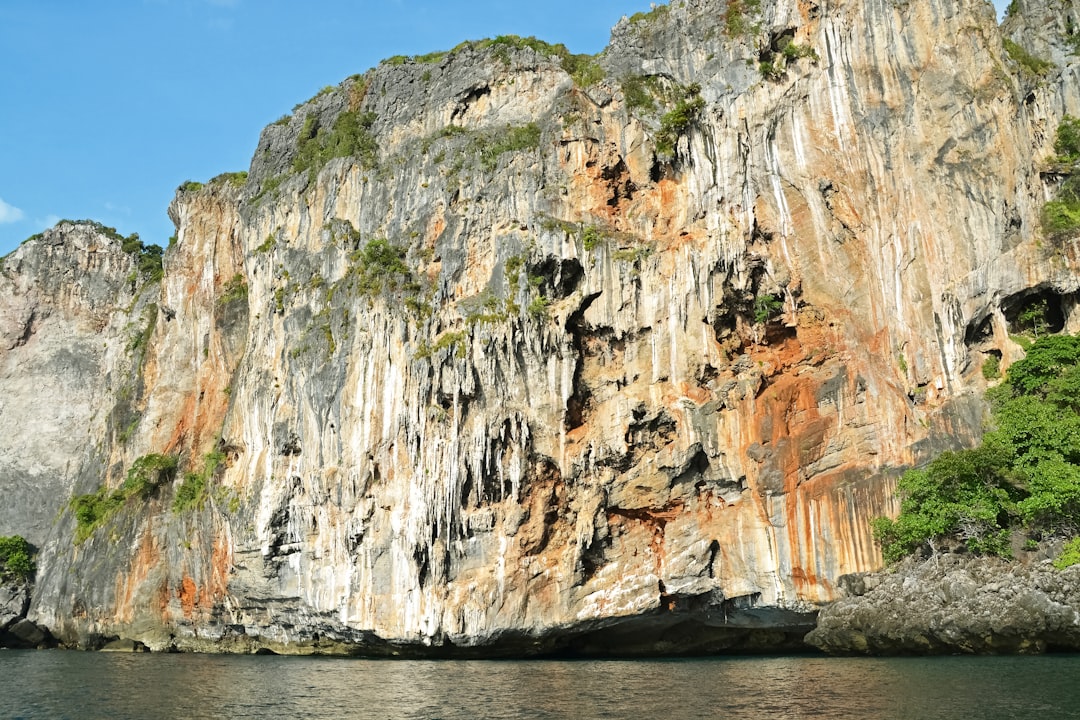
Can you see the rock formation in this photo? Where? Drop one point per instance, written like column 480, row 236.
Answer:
column 954, row 604
column 505, row 350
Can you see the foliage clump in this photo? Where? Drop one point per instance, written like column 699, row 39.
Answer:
column 16, row 558
column 1025, row 476
column 518, row 138
column 235, row 290
column 644, row 18
column 194, row 490
column 379, row 266
column 1032, row 65
column 1069, row 556
column 143, row 478
column 766, row 307
column 1067, row 140
column 740, row 16
column 235, row 179
column 1061, row 216
column 640, row 92
column 350, row 136
column 678, row 120
column 582, row 68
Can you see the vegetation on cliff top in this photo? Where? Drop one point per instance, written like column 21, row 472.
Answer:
column 582, row 68
column 16, row 558
column 1024, row 477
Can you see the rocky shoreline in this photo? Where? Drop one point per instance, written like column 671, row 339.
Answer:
column 954, row 604
column 16, row 630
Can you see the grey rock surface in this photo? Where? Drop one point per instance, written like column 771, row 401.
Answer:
column 956, row 604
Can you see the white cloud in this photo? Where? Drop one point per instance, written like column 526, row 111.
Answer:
column 9, row 213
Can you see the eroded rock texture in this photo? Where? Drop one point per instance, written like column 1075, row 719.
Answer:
column 955, row 604
column 646, row 364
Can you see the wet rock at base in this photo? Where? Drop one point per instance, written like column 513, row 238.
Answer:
column 125, row 645
column 955, row 604
column 25, row 634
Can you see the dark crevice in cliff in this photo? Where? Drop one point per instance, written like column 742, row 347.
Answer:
column 576, row 404
column 714, row 551
column 27, row 331
column 471, row 96
column 646, row 433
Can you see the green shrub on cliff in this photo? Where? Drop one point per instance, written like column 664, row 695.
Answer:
column 1024, row 476
column 1061, row 216
column 194, row 490
column 16, row 558
column 1067, row 141
column 1069, row 556
column 678, row 120
column 350, row 136
column 143, row 478
column 1031, row 64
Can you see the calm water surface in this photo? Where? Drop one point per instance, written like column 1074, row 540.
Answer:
column 58, row 684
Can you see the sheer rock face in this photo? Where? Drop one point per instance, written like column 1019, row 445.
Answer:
column 1048, row 29
column 67, row 316
column 557, row 425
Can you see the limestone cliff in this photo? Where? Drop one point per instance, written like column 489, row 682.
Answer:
column 508, row 350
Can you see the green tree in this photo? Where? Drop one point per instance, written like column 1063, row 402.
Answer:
column 766, row 307
column 965, row 494
column 16, row 558
column 1067, row 142
column 1024, row 475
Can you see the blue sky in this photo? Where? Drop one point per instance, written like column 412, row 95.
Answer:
column 109, row 105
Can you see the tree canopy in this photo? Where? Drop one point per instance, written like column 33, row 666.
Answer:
column 1024, row 476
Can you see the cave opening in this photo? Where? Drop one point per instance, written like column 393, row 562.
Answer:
column 1039, row 311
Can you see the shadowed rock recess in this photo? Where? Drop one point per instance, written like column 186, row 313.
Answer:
column 503, row 351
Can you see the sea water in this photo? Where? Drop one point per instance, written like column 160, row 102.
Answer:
column 59, row 684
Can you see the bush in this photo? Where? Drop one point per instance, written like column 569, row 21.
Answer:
column 678, row 120
column 583, row 69
column 350, row 137
column 991, row 367
column 16, row 558
column 962, row 494
column 379, row 266
column 1027, row 61
column 765, row 307
column 235, row 179
column 639, row 91
column 1070, row 555
column 235, row 290
column 1026, row 473
column 194, row 490
column 739, row 15
column 591, row 238
column 512, row 139
column 143, row 478
column 1067, row 142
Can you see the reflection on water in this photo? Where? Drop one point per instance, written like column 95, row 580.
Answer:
column 83, row 685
